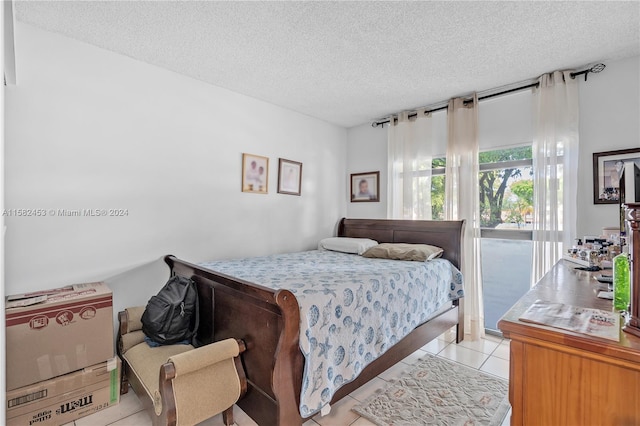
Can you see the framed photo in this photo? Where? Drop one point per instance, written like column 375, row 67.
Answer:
column 289, row 177
column 255, row 174
column 606, row 173
column 365, row 187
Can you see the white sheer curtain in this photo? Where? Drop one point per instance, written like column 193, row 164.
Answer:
column 409, row 150
column 555, row 164
column 462, row 202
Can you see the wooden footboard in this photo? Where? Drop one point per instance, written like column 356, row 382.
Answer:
column 268, row 321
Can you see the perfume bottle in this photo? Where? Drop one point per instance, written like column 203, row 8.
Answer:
column 621, row 282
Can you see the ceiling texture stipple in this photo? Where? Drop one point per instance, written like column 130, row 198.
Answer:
column 350, row 63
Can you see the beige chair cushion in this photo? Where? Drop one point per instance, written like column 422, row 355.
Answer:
column 145, row 361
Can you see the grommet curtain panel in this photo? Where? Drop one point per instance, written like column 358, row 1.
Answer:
column 462, row 202
column 555, row 164
column 410, row 143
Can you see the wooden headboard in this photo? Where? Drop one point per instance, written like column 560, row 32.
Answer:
column 442, row 233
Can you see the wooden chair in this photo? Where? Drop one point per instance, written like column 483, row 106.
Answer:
column 180, row 384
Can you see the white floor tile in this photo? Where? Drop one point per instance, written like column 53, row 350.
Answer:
column 493, row 338
column 485, row 346
column 368, row 389
column 502, row 351
column 340, row 414
column 362, row 422
column 129, row 404
column 140, row 418
column 464, row 355
column 310, row 422
column 496, row 366
column 435, row 346
column 394, row 372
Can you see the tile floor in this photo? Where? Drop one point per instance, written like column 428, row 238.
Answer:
column 490, row 355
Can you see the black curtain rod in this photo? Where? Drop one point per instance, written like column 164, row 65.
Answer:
column 504, row 92
column 594, row 69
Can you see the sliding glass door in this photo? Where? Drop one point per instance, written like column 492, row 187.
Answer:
column 506, row 211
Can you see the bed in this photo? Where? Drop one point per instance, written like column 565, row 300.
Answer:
column 268, row 320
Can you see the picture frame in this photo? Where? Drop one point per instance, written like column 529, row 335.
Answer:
column 605, row 174
column 289, row 177
column 365, row 187
column 255, row 174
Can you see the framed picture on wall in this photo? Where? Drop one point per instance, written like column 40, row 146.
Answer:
column 255, row 174
column 289, row 177
column 606, row 173
column 365, row 187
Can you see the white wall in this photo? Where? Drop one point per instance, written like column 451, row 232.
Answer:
column 609, row 120
column 91, row 129
column 367, row 152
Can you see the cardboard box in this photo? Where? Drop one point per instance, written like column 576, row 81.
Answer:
column 66, row 398
column 72, row 328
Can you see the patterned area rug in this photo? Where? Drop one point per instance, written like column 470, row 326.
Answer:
column 439, row 392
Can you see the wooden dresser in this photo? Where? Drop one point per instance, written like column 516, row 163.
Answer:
column 558, row 377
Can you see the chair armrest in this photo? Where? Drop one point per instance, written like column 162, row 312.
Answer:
column 131, row 319
column 204, row 356
column 200, row 383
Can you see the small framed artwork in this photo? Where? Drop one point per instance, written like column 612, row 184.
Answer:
column 607, row 167
column 255, row 174
column 289, row 177
column 365, row 187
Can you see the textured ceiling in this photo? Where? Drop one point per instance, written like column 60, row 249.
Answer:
column 351, row 62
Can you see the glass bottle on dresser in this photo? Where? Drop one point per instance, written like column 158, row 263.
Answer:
column 621, row 281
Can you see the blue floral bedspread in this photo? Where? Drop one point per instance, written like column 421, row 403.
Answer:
column 352, row 309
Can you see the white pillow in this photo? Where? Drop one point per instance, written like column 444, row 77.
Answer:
column 347, row 245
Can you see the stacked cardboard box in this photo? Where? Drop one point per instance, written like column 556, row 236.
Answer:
column 60, row 358
column 66, row 398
